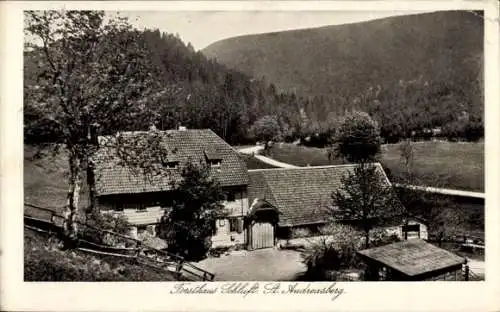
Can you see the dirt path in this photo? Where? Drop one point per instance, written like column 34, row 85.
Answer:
column 268, row 264
column 255, row 150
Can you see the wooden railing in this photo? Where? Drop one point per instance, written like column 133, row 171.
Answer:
column 461, row 238
column 139, row 251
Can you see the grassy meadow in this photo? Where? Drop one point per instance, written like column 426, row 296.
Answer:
column 45, row 180
column 455, row 165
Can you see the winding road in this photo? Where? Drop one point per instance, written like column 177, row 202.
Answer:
column 255, row 150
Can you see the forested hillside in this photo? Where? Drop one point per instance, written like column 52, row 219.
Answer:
column 441, row 87
column 441, row 53
column 193, row 91
column 347, row 59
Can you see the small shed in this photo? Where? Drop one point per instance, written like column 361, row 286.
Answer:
column 412, row 260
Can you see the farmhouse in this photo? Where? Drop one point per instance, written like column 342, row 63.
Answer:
column 143, row 200
column 301, row 196
column 262, row 206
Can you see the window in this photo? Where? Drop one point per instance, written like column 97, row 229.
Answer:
column 167, row 202
column 215, row 163
column 172, row 164
column 231, row 196
column 129, row 205
column 213, row 157
column 235, row 225
column 119, row 206
column 150, row 229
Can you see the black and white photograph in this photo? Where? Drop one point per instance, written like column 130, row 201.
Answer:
column 346, row 152
column 196, row 147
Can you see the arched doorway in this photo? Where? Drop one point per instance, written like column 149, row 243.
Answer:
column 262, row 220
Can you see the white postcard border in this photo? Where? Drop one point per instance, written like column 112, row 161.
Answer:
column 362, row 296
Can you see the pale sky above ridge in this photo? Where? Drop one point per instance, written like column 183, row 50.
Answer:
column 201, row 28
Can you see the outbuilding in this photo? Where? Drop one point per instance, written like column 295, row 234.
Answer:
column 413, row 260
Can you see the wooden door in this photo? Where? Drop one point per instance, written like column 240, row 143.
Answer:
column 262, row 235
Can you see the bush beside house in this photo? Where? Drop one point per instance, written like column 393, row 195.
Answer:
column 333, row 256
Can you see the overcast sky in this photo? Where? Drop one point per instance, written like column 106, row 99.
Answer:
column 201, row 28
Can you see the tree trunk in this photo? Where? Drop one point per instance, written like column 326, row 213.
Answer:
column 91, row 152
column 91, row 185
column 405, row 232
column 71, row 208
column 367, row 238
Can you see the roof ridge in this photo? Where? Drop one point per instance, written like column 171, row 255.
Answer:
column 161, row 131
column 308, row 167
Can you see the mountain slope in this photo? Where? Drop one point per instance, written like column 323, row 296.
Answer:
column 346, row 59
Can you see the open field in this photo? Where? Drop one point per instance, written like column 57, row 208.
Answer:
column 269, row 264
column 442, row 164
column 455, row 165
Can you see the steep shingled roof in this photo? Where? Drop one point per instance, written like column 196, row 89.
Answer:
column 413, row 257
column 300, row 194
column 182, row 146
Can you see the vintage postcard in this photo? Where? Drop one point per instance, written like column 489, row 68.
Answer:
column 242, row 155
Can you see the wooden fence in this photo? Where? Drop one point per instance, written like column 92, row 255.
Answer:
column 466, row 242
column 137, row 250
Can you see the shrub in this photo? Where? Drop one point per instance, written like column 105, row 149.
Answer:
column 109, row 222
column 335, row 251
column 300, row 232
column 378, row 237
column 189, row 226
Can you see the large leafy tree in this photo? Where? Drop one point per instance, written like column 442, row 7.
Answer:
column 266, row 128
column 89, row 71
column 365, row 199
column 357, row 138
column 189, row 225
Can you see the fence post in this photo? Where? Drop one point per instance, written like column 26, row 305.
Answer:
column 466, row 270
column 138, row 249
column 179, row 266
